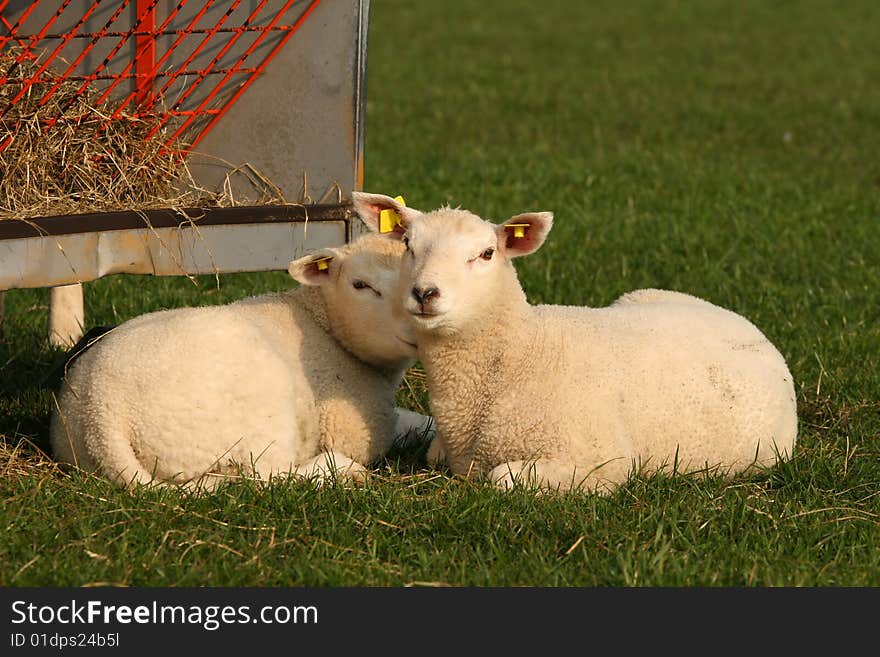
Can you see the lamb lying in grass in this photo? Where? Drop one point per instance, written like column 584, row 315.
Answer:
column 574, row 397
column 301, row 382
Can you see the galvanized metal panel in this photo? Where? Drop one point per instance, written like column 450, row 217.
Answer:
column 76, row 258
column 303, row 115
column 65, row 23
column 303, row 118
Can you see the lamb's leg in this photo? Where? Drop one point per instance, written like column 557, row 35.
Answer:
column 549, row 475
column 323, row 468
column 413, row 424
column 328, row 465
column 436, row 455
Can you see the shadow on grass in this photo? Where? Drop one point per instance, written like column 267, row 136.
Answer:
column 406, row 457
column 837, row 438
column 25, row 390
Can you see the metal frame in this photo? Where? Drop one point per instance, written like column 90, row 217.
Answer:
column 70, row 250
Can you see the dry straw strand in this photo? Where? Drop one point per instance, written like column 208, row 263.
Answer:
column 69, row 156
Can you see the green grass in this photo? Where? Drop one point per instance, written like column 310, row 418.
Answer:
column 728, row 150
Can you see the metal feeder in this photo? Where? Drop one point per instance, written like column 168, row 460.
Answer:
column 277, row 85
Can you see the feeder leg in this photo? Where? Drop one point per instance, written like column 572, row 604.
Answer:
column 2, row 334
column 66, row 315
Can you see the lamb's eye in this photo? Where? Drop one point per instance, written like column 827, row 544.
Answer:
column 487, row 254
column 406, row 243
column 362, row 285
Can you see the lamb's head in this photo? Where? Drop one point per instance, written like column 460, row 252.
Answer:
column 358, row 283
column 457, row 269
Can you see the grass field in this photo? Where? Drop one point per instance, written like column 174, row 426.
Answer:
column 729, row 150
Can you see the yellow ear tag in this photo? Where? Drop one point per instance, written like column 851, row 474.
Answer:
column 323, row 263
column 519, row 230
column 388, row 219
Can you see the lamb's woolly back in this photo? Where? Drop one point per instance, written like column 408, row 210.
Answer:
column 261, row 386
column 568, row 396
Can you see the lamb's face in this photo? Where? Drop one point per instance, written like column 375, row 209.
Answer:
column 450, row 273
column 359, row 284
column 457, row 267
column 365, row 302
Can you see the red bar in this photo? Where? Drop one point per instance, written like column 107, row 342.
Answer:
column 148, row 67
column 145, row 57
column 232, row 70
column 161, row 31
column 204, row 131
column 116, row 77
column 34, row 39
column 86, row 49
column 13, row 30
column 162, row 59
column 125, row 72
column 194, row 83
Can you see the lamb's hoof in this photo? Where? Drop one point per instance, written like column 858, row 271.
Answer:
column 355, row 473
column 327, row 468
column 507, row 476
column 436, row 455
column 502, row 481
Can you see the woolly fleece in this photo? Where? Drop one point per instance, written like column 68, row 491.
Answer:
column 576, row 397
column 300, row 382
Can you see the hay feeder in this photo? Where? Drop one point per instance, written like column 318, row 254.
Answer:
column 172, row 138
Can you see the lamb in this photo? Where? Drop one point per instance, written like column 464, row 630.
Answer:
column 565, row 397
column 301, row 382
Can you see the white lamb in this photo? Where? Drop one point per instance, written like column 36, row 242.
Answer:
column 573, row 397
column 301, row 382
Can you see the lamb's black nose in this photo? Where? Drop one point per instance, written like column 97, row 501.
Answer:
column 425, row 294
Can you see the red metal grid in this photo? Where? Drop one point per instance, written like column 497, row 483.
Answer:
column 151, row 71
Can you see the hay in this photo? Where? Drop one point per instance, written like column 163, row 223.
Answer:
column 21, row 458
column 68, row 156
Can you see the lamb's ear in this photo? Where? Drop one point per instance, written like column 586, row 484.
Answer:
column 314, row 269
column 371, row 206
column 524, row 233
